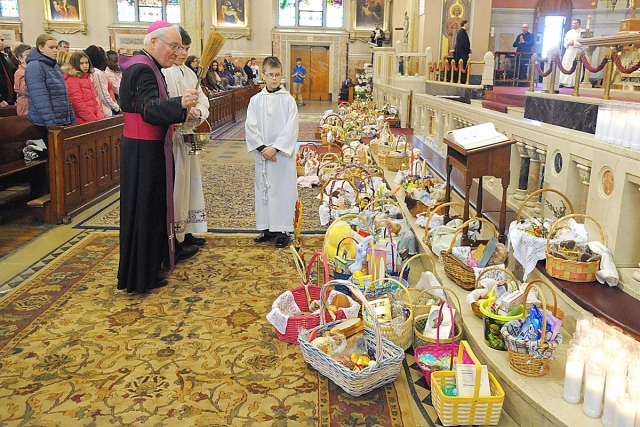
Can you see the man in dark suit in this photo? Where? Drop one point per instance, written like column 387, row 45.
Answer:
column 524, row 43
column 462, row 50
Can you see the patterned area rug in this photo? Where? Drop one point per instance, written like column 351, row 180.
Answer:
column 306, row 132
column 76, row 351
column 229, row 201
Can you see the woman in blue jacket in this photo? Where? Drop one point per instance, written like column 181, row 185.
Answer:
column 46, row 87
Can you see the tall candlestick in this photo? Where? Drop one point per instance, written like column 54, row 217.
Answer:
column 614, row 388
column 588, row 22
column 573, row 381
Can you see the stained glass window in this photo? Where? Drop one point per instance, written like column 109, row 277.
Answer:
column 311, row 13
column 9, row 9
column 148, row 10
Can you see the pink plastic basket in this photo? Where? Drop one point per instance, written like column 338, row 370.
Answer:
column 438, row 350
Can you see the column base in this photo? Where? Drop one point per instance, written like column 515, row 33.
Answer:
column 520, row 195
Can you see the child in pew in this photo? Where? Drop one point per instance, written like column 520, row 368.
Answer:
column 81, row 93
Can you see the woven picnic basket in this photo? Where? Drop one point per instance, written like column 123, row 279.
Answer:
column 303, row 295
column 475, row 306
column 454, row 267
column 399, row 156
column 432, row 212
column 414, row 205
column 466, row 410
column 419, row 323
column 400, row 334
column 572, row 271
column 388, row 356
column 522, row 353
column 300, row 169
column 417, row 295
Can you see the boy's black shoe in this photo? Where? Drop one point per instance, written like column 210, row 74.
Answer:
column 190, row 239
column 282, row 241
column 265, row 237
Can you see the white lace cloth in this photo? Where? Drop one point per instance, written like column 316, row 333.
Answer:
column 528, row 249
column 285, row 306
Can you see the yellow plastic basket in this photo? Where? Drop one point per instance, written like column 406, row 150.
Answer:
column 466, row 410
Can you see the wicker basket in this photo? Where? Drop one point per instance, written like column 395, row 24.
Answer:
column 389, row 357
column 326, row 245
column 521, row 358
column 416, row 294
column 466, row 410
column 397, row 157
column 572, row 271
column 303, row 295
column 402, row 334
column 475, row 306
column 438, row 349
column 420, row 339
column 431, row 213
column 540, row 191
column 454, row 267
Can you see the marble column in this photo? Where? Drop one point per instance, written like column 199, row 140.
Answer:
column 192, row 22
column 588, row 53
column 542, row 156
column 585, row 174
column 534, row 172
column 523, row 181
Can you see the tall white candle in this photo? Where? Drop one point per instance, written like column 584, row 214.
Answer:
column 625, row 413
column 594, row 384
column 602, row 128
column 628, row 129
column 614, row 388
column 573, row 381
column 588, row 22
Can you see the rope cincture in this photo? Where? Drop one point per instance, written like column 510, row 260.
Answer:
column 541, row 72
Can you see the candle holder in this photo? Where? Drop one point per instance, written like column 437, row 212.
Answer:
column 625, row 412
column 572, row 392
column 615, row 384
column 595, row 373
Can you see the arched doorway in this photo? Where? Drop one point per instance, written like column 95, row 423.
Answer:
column 551, row 21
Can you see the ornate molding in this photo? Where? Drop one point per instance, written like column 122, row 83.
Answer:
column 233, row 32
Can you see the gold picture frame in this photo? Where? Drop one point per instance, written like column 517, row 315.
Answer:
column 65, row 16
column 366, row 13
column 231, row 18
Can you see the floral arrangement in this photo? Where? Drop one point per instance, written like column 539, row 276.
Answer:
column 363, row 92
column 362, row 78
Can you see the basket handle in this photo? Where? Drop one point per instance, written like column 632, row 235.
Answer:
column 416, row 256
column 543, row 332
column 556, row 223
column 353, row 216
column 465, row 224
column 372, row 285
column 448, row 293
column 437, row 208
column 357, row 293
column 453, row 330
column 372, row 203
column 342, row 240
column 553, row 293
column 535, row 193
column 486, row 270
column 464, row 346
column 325, row 266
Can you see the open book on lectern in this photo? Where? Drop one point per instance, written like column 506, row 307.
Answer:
column 476, row 136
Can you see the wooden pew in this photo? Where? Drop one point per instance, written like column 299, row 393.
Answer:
column 15, row 131
column 85, row 166
column 226, row 107
column 9, row 111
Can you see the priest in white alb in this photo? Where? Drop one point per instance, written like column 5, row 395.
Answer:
column 572, row 46
column 188, row 196
column 272, row 134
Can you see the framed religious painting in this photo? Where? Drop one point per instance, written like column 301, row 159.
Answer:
column 65, row 16
column 366, row 14
column 231, row 18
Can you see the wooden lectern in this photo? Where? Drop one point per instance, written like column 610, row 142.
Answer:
column 490, row 160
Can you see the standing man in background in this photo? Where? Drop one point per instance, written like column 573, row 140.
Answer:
column 462, row 50
column 524, row 43
column 299, row 74
column 113, row 72
column 572, row 46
